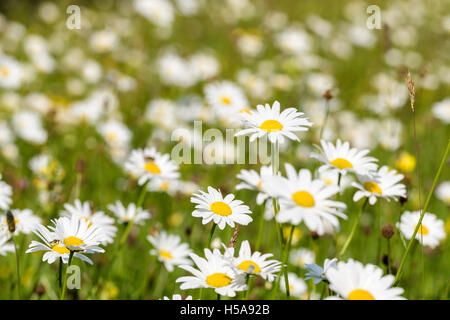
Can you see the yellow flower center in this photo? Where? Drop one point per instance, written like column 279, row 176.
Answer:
column 164, row 186
column 218, row 280
column 4, row 72
column 341, row 163
column 226, row 100
column 73, row 241
column 372, row 187
column 245, row 265
column 59, row 249
column 245, row 110
column 165, row 254
column 221, row 208
column 112, row 136
column 259, row 184
column 271, row 126
column 360, row 294
column 152, row 168
column 87, row 220
column 303, row 199
column 300, row 262
column 423, row 230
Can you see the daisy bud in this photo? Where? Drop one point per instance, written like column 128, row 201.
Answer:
column 10, row 221
column 387, row 231
column 80, row 165
column 327, row 95
column 385, row 259
column 40, row 290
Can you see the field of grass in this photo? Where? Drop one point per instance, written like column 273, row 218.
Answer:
column 365, row 69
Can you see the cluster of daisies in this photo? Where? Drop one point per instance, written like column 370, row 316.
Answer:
column 82, row 230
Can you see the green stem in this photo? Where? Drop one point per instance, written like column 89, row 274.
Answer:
column 378, row 234
column 125, row 234
column 65, row 276
column 17, row 267
column 389, row 256
column 355, row 225
column 141, row 198
column 211, row 233
column 60, row 274
column 327, row 106
column 286, row 255
column 249, row 282
column 283, row 269
column 419, row 224
column 261, row 227
column 218, row 296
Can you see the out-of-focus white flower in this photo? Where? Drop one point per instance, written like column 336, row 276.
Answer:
column 441, row 110
column 28, row 126
column 293, row 41
column 11, row 72
column 103, row 41
column 159, row 12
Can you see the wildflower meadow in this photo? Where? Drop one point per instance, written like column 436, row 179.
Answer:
column 224, row 149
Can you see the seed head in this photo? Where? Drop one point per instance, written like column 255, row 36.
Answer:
column 387, row 231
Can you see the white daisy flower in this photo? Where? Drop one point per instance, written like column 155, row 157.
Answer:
column 24, row 220
column 78, row 235
column 343, row 159
column 130, row 213
column 28, row 126
column 11, row 72
column 252, row 180
column 442, row 192
column 159, row 12
column 432, row 230
column 177, row 297
column 441, row 110
column 256, row 263
column 170, row 250
column 5, row 246
column 213, row 206
column 83, row 211
column 225, row 98
column 115, row 133
column 303, row 199
column 213, row 272
column 301, row 257
column 318, row 273
column 331, row 177
column 103, row 41
column 148, row 164
column 171, row 186
column 53, row 246
column 40, row 164
column 269, row 121
column 384, row 184
column 297, row 286
column 5, row 195
column 354, row 281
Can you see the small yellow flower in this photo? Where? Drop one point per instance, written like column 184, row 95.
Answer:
column 447, row 226
column 296, row 236
column 405, row 162
column 175, row 219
